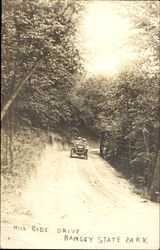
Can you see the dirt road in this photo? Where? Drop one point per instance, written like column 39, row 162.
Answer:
column 79, row 203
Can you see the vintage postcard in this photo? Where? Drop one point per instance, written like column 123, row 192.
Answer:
column 80, row 124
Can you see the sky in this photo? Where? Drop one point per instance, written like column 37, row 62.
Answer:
column 106, row 38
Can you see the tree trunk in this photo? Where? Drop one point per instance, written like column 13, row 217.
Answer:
column 155, row 163
column 101, row 144
column 10, row 127
column 156, row 152
column 11, row 148
column 146, row 144
column 129, row 150
column 6, row 144
column 17, row 90
column 155, row 185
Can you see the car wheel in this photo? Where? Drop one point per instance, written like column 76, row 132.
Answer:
column 86, row 157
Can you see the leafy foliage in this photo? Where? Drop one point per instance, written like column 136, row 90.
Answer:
column 33, row 30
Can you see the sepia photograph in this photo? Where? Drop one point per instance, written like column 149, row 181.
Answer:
column 80, row 124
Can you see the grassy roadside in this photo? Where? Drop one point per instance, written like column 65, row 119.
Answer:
column 27, row 147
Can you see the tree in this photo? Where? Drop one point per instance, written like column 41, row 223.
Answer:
column 34, row 31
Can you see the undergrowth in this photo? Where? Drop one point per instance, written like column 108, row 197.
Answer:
column 27, row 146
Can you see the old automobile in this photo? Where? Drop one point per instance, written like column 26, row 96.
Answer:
column 79, row 148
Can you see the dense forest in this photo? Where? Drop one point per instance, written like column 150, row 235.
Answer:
column 44, row 84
